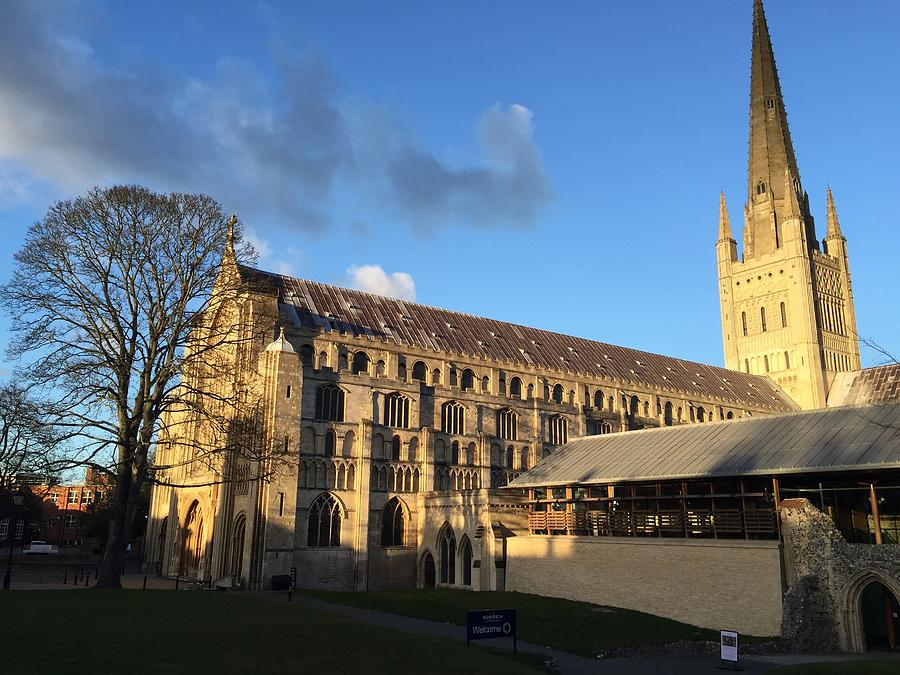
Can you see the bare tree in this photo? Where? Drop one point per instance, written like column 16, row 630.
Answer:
column 28, row 445
column 126, row 309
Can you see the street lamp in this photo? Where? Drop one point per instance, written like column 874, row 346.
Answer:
column 18, row 500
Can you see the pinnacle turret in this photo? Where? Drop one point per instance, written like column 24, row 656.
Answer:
column 724, row 223
column 834, row 225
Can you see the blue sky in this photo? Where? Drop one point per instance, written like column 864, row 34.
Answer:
column 552, row 164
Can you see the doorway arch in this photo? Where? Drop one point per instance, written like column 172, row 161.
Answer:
column 429, row 576
column 192, row 542
column 878, row 612
column 161, row 542
column 863, row 626
column 237, row 548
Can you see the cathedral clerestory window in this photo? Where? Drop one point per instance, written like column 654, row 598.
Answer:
column 330, row 403
column 507, row 424
column 558, row 430
column 453, row 418
column 396, row 410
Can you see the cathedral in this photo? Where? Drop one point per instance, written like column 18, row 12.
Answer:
column 406, row 423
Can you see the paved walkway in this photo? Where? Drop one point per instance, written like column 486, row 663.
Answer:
column 572, row 664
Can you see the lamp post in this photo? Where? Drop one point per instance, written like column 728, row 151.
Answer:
column 18, row 500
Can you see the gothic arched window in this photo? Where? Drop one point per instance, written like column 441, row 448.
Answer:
column 447, row 553
column 559, row 430
column 324, row 521
column 598, row 400
column 515, row 387
column 667, row 417
column 558, row 393
column 395, row 448
column 453, row 418
column 329, row 443
column 393, row 523
column 330, row 403
column 468, row 380
column 396, row 410
column 507, row 424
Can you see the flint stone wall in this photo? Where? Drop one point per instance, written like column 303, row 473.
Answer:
column 826, row 577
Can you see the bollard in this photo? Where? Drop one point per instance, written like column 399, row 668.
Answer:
column 290, row 593
column 86, row 579
column 176, row 582
column 145, row 583
column 65, row 577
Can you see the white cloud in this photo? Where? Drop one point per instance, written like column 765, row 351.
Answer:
column 271, row 141
column 283, row 267
column 262, row 246
column 373, row 279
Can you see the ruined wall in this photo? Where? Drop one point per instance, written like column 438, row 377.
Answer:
column 826, row 578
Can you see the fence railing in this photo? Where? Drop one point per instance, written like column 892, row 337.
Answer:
column 729, row 523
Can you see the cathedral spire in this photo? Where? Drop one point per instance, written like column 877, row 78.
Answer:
column 724, row 223
column 771, row 151
column 834, row 225
column 791, row 208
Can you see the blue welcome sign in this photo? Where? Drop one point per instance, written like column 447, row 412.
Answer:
column 487, row 624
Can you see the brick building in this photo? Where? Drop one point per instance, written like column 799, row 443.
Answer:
column 64, row 508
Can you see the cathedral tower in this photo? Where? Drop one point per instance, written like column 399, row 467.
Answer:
column 787, row 304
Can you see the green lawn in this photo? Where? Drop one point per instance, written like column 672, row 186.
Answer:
column 165, row 631
column 885, row 667
column 575, row 627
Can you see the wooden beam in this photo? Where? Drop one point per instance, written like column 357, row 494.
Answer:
column 876, row 519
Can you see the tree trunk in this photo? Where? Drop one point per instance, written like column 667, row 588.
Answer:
column 121, row 524
column 110, row 575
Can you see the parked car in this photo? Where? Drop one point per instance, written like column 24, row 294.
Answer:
column 41, row 547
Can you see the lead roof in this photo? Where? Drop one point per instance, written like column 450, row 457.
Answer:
column 321, row 307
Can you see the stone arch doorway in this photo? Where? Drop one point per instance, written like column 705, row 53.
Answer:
column 429, row 575
column 878, row 610
column 161, row 541
column 237, row 548
column 192, row 542
column 869, row 619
